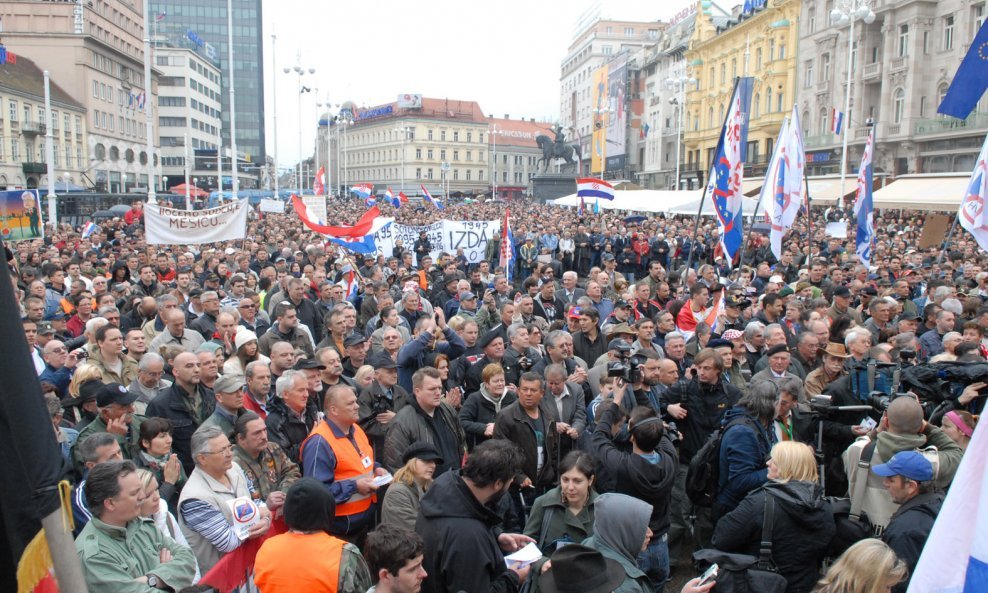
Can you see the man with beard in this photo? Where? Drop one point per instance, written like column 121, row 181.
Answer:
column 463, row 545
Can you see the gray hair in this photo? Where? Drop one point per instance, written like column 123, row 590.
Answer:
column 555, row 370
column 107, row 309
column 148, row 359
column 249, row 369
column 793, row 387
column 675, row 334
column 287, row 380
column 900, row 341
column 552, row 339
column 201, row 438
column 853, row 335
column 165, row 298
column 209, row 294
column 89, row 446
column 950, row 336
column 760, row 400
column 752, row 328
column 513, row 330
column 953, row 305
column 940, row 293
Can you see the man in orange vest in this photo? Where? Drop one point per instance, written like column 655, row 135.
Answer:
column 339, row 455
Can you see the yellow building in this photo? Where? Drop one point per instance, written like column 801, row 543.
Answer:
column 724, row 45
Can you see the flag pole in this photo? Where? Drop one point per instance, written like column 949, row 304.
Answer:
column 703, row 197
column 809, row 219
column 946, row 241
column 758, row 203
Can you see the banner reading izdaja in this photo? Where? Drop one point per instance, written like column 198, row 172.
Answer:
column 171, row 226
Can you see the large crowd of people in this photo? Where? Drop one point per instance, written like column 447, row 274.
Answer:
column 450, row 413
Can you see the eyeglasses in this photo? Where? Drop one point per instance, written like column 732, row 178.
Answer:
column 247, row 307
column 224, row 451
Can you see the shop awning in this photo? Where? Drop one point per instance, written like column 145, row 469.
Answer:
column 825, row 189
column 935, row 192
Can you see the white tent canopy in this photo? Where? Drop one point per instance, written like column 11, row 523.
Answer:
column 748, row 207
column 936, row 192
column 644, row 200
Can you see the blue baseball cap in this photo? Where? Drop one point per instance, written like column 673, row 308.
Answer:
column 908, row 464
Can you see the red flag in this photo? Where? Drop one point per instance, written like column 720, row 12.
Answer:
column 360, row 229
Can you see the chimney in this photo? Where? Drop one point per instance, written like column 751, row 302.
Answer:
column 507, row 116
column 531, row 119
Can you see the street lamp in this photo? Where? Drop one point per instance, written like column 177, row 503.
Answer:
column 493, row 133
column 329, row 145
column 300, row 71
column 404, row 131
column 274, row 109
column 601, row 116
column 845, row 13
column 679, row 84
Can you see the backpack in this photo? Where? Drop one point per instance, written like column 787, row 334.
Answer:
column 704, row 471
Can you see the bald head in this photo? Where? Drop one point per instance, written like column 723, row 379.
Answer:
column 905, row 416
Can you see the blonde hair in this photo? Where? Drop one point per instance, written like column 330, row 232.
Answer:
column 795, row 462
column 145, row 475
column 362, row 372
column 406, row 475
column 83, row 373
column 868, row 566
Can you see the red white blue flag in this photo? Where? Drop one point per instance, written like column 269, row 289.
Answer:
column 728, row 171
column 864, row 210
column 318, row 185
column 785, row 181
column 836, row 121
column 363, row 190
column 428, row 198
column 507, row 255
column 590, row 187
column 369, row 223
column 972, row 213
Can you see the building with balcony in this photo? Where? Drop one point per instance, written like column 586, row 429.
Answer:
column 436, row 143
column 23, row 128
column 729, row 44
column 664, row 72
column 95, row 51
column 595, row 43
column 901, row 67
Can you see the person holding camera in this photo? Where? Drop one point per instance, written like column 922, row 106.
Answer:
column 902, row 428
column 432, row 336
column 519, row 356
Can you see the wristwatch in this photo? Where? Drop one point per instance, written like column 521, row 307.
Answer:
column 152, row 581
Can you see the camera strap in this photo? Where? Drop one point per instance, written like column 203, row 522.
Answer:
column 872, row 369
column 861, row 480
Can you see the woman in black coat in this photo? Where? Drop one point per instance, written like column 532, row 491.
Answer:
column 803, row 523
column 481, row 407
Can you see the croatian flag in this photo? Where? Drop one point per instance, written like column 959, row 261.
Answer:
column 728, row 171
column 391, row 197
column 507, row 257
column 786, row 170
column 363, row 245
column 864, row 211
column 836, row 121
column 590, row 187
column 161, row 16
column 955, row 557
column 363, row 190
column 428, row 198
column 349, row 283
column 369, row 223
column 972, row 213
column 371, row 202
column 318, row 185
column 88, row 229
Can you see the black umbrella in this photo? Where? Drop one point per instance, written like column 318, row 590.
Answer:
column 636, row 219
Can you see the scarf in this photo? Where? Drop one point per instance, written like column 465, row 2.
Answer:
column 487, row 395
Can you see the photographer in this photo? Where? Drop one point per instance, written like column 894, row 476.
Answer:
column 519, row 356
column 902, row 428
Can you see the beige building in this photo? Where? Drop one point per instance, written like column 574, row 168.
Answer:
column 516, row 156
column 901, row 66
column 436, row 143
column 595, row 42
column 23, row 129
column 95, row 50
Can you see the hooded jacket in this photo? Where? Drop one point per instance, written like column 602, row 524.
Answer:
column 461, row 549
column 801, row 531
column 619, row 532
column 744, row 449
column 647, row 478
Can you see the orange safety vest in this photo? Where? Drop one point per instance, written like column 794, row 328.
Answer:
column 295, row 562
column 350, row 464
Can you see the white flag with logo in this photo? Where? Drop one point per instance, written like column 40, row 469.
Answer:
column 972, row 211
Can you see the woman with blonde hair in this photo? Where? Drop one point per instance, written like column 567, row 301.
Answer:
column 802, row 524
column 869, row 566
column 80, row 406
column 404, row 495
column 364, row 377
column 155, row 510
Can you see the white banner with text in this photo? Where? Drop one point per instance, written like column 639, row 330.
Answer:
column 171, row 226
column 445, row 236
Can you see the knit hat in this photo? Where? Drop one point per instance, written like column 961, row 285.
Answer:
column 309, row 506
column 243, row 336
column 732, row 334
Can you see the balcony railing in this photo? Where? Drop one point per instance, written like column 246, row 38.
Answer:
column 897, row 64
column 945, row 125
column 893, row 129
column 823, row 140
column 33, row 127
column 861, row 132
column 873, row 70
column 34, row 168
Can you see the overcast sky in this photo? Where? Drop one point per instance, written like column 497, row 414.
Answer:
column 505, row 55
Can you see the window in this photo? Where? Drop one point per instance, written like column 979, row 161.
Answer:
column 825, row 67
column 418, row 173
column 469, row 137
column 854, row 57
column 429, row 136
column 926, row 42
column 808, row 77
column 768, row 100
column 780, row 98
column 898, row 105
column 442, row 135
column 979, row 17
column 468, row 174
column 469, row 155
column 758, row 59
column 429, row 174
column 606, row 50
column 418, row 154
column 734, row 68
column 456, row 136
column 78, row 126
column 771, row 50
column 824, row 122
column 903, row 41
column 710, row 118
column 782, row 51
column 608, row 30
column 480, row 175
column 723, row 73
column 442, row 154
column 456, row 174
column 15, row 149
column 429, row 154
column 922, row 106
column 13, row 111
column 757, row 106
column 948, row 32
column 629, row 31
column 456, row 155
column 67, row 122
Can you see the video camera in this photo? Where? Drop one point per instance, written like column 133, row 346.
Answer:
column 628, row 368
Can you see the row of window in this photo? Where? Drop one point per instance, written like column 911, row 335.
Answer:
column 125, row 125
column 36, row 153
column 389, row 135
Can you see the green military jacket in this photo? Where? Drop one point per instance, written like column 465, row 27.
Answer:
column 113, row 558
column 130, row 444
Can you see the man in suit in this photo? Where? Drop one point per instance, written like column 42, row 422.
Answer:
column 571, row 292
column 778, row 357
column 791, row 422
column 568, row 406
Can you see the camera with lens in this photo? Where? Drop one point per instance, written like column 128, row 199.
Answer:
column 380, row 404
column 628, row 368
column 525, row 363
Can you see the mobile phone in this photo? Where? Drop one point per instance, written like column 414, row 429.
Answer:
column 709, row 575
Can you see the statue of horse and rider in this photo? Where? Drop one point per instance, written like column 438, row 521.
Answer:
column 557, row 149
